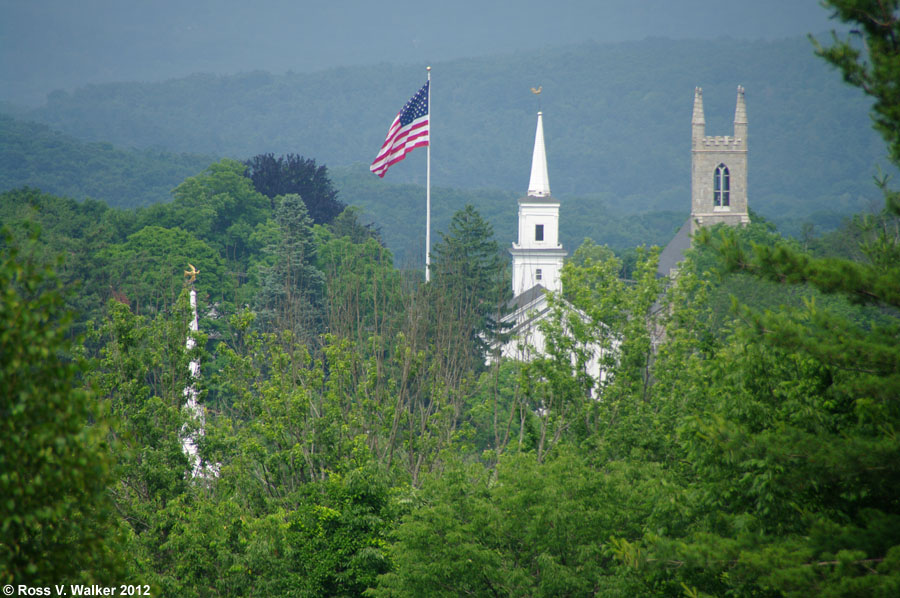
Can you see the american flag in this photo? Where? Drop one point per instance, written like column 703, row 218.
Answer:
column 408, row 131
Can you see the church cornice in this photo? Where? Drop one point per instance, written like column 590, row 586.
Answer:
column 529, row 199
column 718, row 150
column 550, row 252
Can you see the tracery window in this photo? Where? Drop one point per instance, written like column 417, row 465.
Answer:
column 721, row 187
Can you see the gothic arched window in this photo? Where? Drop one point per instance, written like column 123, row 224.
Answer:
column 721, row 186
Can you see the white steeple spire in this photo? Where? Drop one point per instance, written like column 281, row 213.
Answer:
column 539, row 185
column 538, row 254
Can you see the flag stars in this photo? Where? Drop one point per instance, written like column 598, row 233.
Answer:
column 408, row 131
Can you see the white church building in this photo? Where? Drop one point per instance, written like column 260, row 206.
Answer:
column 537, row 261
column 718, row 195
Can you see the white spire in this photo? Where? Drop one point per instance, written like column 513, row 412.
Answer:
column 190, row 438
column 539, row 185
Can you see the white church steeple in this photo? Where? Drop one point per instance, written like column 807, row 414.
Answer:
column 538, row 254
column 539, row 185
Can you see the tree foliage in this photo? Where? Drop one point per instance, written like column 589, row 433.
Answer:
column 56, row 520
column 742, row 447
column 147, row 270
column 37, row 156
column 291, row 289
column 874, row 68
column 293, row 174
column 469, row 288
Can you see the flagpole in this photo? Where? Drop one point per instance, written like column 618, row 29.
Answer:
column 428, row 188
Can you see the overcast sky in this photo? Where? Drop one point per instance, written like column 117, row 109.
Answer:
column 61, row 44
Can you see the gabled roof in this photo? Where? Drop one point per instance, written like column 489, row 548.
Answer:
column 526, row 298
column 674, row 252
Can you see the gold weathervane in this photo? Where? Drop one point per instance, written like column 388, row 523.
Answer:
column 191, row 274
column 537, row 91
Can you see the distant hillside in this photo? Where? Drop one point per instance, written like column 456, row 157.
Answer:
column 399, row 211
column 34, row 155
column 617, row 120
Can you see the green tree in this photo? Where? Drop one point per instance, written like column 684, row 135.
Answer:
column 598, row 346
column 291, row 293
column 347, row 224
column 78, row 230
column 363, row 289
column 792, row 477
column 140, row 373
column 147, row 270
column 221, row 208
column 875, row 67
column 57, row 524
column 526, row 529
column 297, row 175
column 469, row 289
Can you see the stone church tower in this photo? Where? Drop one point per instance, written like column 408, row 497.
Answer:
column 537, row 258
column 718, row 169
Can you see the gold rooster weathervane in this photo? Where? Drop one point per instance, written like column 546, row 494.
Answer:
column 191, row 274
column 537, row 92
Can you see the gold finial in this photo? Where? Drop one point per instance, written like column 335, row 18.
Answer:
column 537, row 91
column 191, row 274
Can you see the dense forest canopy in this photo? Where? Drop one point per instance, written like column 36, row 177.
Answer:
column 741, row 440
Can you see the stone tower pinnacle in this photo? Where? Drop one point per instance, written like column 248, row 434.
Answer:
column 740, row 115
column 718, row 169
column 698, row 121
column 539, row 185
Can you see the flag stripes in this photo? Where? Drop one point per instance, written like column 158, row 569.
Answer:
column 409, row 130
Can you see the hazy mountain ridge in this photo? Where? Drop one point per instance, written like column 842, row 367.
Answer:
column 34, row 155
column 58, row 44
column 617, row 119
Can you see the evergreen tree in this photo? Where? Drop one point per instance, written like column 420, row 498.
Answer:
column 791, row 475
column 874, row 67
column 469, row 286
column 347, row 224
column 292, row 288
